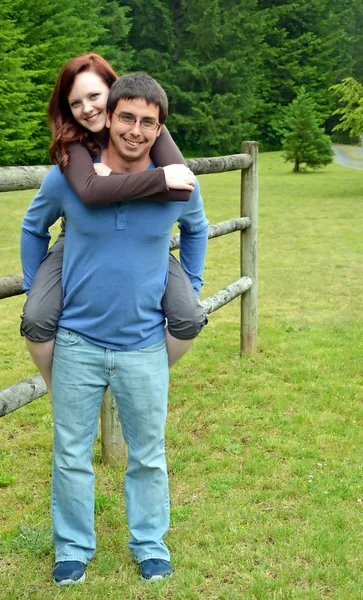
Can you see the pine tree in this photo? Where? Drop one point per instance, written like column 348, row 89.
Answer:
column 208, row 61
column 306, row 44
column 304, row 142
column 17, row 129
column 113, row 39
column 37, row 38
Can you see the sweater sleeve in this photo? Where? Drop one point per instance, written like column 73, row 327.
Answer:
column 193, row 227
column 165, row 151
column 93, row 189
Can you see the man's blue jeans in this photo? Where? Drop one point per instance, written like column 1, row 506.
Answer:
column 139, row 381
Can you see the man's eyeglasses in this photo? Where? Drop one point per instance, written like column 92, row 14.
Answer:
column 130, row 119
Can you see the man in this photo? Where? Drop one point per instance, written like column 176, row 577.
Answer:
column 112, row 332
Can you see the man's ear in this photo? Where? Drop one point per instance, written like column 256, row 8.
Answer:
column 158, row 131
column 108, row 120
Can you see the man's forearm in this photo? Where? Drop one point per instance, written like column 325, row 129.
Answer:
column 32, row 249
column 193, row 226
column 193, row 248
column 44, row 210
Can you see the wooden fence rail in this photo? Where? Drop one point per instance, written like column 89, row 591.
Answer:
column 17, row 178
column 24, row 392
column 28, row 178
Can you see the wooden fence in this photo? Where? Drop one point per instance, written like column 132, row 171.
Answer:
column 113, row 447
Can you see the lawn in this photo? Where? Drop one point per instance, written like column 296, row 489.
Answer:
column 265, row 451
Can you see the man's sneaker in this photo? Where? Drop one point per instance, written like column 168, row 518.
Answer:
column 154, row 569
column 69, row 572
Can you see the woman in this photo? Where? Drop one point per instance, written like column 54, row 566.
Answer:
column 77, row 114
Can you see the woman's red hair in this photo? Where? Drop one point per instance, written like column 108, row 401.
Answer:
column 65, row 129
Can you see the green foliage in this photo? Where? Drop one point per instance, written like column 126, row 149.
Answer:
column 350, row 94
column 304, row 142
column 208, row 60
column 17, row 126
column 113, row 39
column 38, row 39
column 229, row 68
column 353, row 26
column 305, row 44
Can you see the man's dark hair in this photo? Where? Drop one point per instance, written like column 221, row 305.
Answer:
column 139, row 85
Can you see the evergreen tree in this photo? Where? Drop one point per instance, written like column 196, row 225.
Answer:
column 17, row 128
column 40, row 38
column 113, row 39
column 306, row 44
column 54, row 33
column 354, row 39
column 228, row 68
column 350, row 94
column 304, row 142
column 207, row 59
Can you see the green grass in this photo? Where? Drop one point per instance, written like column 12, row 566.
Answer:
column 265, row 452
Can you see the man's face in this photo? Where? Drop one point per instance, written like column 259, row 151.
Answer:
column 132, row 142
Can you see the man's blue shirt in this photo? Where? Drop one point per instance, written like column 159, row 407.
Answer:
column 115, row 265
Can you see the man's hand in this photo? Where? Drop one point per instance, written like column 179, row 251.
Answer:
column 101, row 169
column 179, row 177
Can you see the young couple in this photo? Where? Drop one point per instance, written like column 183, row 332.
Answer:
column 104, row 293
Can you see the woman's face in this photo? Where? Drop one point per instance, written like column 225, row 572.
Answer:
column 88, row 99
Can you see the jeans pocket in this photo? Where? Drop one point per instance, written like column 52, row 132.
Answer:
column 66, row 337
column 153, row 348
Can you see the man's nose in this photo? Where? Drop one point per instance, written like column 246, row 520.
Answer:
column 136, row 127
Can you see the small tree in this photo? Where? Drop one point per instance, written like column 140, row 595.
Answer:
column 350, row 94
column 303, row 141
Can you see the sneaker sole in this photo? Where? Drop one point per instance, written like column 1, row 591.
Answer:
column 156, row 578
column 71, row 581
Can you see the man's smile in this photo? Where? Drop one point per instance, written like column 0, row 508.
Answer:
column 131, row 142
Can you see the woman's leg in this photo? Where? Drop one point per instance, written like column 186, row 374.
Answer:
column 43, row 309
column 185, row 315
column 42, row 355
column 176, row 348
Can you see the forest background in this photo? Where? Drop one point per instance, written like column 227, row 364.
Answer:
column 228, row 66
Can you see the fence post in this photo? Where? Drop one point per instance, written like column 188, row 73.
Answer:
column 249, row 208
column 113, row 444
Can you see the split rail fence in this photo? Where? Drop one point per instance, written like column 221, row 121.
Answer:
column 113, row 448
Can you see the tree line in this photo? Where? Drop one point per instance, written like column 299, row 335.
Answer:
column 230, row 67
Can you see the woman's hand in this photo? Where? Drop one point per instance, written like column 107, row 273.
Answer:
column 179, row 177
column 102, row 169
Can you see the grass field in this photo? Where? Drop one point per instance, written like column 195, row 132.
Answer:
column 265, row 451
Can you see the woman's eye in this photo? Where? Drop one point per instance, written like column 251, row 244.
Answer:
column 94, row 96
column 75, row 104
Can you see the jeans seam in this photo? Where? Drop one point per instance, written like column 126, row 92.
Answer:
column 71, row 558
